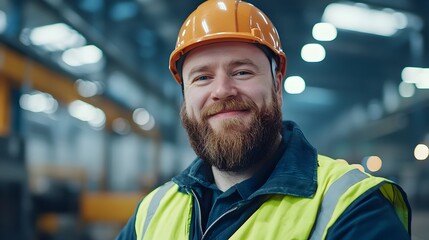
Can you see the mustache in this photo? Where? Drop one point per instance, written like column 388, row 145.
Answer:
column 233, row 104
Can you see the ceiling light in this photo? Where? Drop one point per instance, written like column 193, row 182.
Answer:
column 144, row 119
column 414, row 74
column 406, row 90
column 418, row 76
column 87, row 88
column 56, row 37
column 294, row 85
column 423, row 84
column 76, row 57
column 362, row 18
column 141, row 116
column 313, row 52
column 149, row 125
column 87, row 113
column 324, row 32
column 421, row 152
column 38, row 102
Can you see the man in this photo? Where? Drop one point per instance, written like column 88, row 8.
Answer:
column 255, row 177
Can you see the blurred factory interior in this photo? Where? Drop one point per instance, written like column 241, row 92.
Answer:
column 89, row 111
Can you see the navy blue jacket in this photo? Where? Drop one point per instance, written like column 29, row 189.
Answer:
column 370, row 217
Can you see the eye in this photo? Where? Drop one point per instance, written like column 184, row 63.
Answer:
column 241, row 73
column 201, row 78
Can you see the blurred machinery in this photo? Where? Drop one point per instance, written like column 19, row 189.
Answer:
column 52, row 201
column 15, row 204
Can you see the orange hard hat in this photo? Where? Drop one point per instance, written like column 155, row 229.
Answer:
column 225, row 21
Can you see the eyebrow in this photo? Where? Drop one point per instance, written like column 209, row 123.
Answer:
column 232, row 64
column 200, row 68
column 241, row 62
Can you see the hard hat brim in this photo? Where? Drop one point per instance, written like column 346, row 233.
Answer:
column 177, row 54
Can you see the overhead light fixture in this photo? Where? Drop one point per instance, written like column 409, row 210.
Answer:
column 144, row 119
column 150, row 125
column 87, row 113
column 362, row 18
column 141, row 116
column 38, row 102
column 423, row 84
column 324, row 32
column 313, row 52
column 55, row 37
column 421, row 152
column 416, row 75
column 76, row 57
column 88, row 88
column 406, row 90
column 294, row 85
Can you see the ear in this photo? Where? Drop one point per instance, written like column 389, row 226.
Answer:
column 278, row 91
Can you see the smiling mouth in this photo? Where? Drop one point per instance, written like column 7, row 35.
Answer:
column 229, row 113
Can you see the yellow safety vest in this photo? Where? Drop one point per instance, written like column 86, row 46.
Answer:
column 166, row 213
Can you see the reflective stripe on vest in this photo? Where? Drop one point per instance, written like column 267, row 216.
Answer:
column 154, row 203
column 330, row 200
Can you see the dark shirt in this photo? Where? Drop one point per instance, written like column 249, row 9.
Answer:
column 215, row 203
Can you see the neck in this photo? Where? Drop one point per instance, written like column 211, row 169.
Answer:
column 224, row 179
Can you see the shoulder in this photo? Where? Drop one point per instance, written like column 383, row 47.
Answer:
column 370, row 217
column 135, row 223
column 152, row 201
column 332, row 171
column 162, row 205
column 360, row 195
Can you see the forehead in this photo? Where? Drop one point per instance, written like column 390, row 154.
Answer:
column 225, row 51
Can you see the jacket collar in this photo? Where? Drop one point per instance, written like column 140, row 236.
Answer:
column 295, row 173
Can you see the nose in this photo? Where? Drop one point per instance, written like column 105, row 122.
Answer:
column 224, row 88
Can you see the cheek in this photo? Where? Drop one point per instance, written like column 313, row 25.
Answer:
column 194, row 102
column 261, row 96
column 190, row 110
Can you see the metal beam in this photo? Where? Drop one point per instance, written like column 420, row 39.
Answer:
column 4, row 107
column 19, row 70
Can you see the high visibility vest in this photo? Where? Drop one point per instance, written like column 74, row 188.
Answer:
column 166, row 213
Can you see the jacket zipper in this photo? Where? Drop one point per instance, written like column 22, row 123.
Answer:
column 199, row 212
column 203, row 234
column 215, row 221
